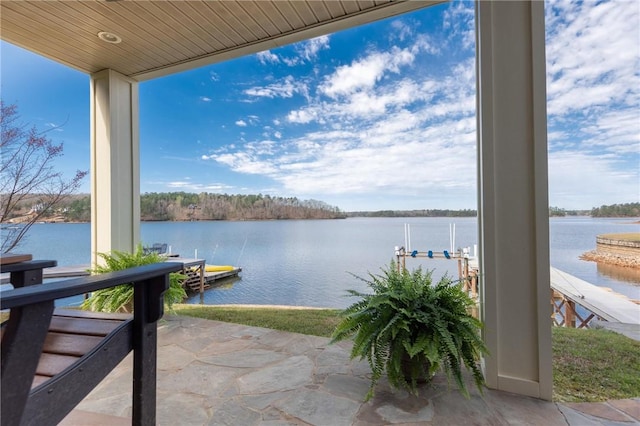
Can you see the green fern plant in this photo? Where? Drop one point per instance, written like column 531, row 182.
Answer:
column 120, row 298
column 410, row 328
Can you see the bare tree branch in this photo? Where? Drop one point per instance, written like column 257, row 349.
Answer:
column 27, row 169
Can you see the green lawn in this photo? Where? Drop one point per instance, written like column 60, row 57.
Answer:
column 594, row 365
column 317, row 322
column 588, row 365
column 629, row 236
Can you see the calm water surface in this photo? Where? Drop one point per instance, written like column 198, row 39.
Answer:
column 310, row 262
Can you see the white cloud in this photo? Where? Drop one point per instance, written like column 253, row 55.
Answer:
column 455, row 96
column 292, row 62
column 459, row 21
column 267, row 57
column 411, row 135
column 616, row 131
column 579, row 180
column 286, row 88
column 306, row 51
column 400, row 30
column 205, row 99
column 592, row 55
column 241, row 123
column 191, row 186
column 373, row 126
column 178, row 184
column 593, row 91
column 247, row 162
column 310, row 48
column 365, row 73
column 393, row 156
column 303, row 116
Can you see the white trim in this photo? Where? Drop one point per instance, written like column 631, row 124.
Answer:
column 519, row 386
column 513, row 196
column 115, row 163
column 541, row 183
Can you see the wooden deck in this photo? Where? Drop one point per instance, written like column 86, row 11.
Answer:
column 211, row 277
column 600, row 302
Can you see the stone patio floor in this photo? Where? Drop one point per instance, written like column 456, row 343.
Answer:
column 214, row 373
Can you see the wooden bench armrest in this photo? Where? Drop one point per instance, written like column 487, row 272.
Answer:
column 30, row 295
column 27, row 272
column 28, row 265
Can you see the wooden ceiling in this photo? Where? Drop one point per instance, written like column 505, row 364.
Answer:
column 164, row 37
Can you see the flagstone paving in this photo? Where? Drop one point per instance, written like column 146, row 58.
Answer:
column 214, row 373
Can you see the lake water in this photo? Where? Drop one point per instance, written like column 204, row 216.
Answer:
column 310, row 262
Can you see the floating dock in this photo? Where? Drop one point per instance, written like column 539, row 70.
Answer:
column 211, row 277
column 568, row 291
column 198, row 279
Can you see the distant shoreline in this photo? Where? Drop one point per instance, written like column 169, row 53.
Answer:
column 372, row 214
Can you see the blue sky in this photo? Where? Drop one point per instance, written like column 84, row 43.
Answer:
column 376, row 117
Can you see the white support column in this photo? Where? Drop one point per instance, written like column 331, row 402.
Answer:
column 513, row 196
column 115, row 163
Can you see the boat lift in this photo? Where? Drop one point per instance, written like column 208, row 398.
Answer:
column 467, row 263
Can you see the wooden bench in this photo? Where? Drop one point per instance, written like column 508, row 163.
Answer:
column 51, row 359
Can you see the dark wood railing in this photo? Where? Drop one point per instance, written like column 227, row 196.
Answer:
column 25, row 401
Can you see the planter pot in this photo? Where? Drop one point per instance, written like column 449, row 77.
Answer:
column 416, row 369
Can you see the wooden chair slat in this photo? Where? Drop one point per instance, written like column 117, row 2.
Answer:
column 69, row 344
column 78, row 313
column 86, row 326
column 52, row 364
column 38, row 380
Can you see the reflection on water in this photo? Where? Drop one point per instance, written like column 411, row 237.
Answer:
column 225, row 283
column 218, row 285
column 619, row 273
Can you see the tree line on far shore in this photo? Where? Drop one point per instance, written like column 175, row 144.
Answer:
column 183, row 206
column 415, row 213
column 613, row 210
column 617, row 210
column 204, row 206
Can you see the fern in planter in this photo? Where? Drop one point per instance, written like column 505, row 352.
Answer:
column 120, row 298
column 410, row 328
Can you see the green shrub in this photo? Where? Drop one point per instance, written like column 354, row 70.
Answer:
column 120, row 298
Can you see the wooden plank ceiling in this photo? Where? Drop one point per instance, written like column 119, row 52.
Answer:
column 163, row 37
